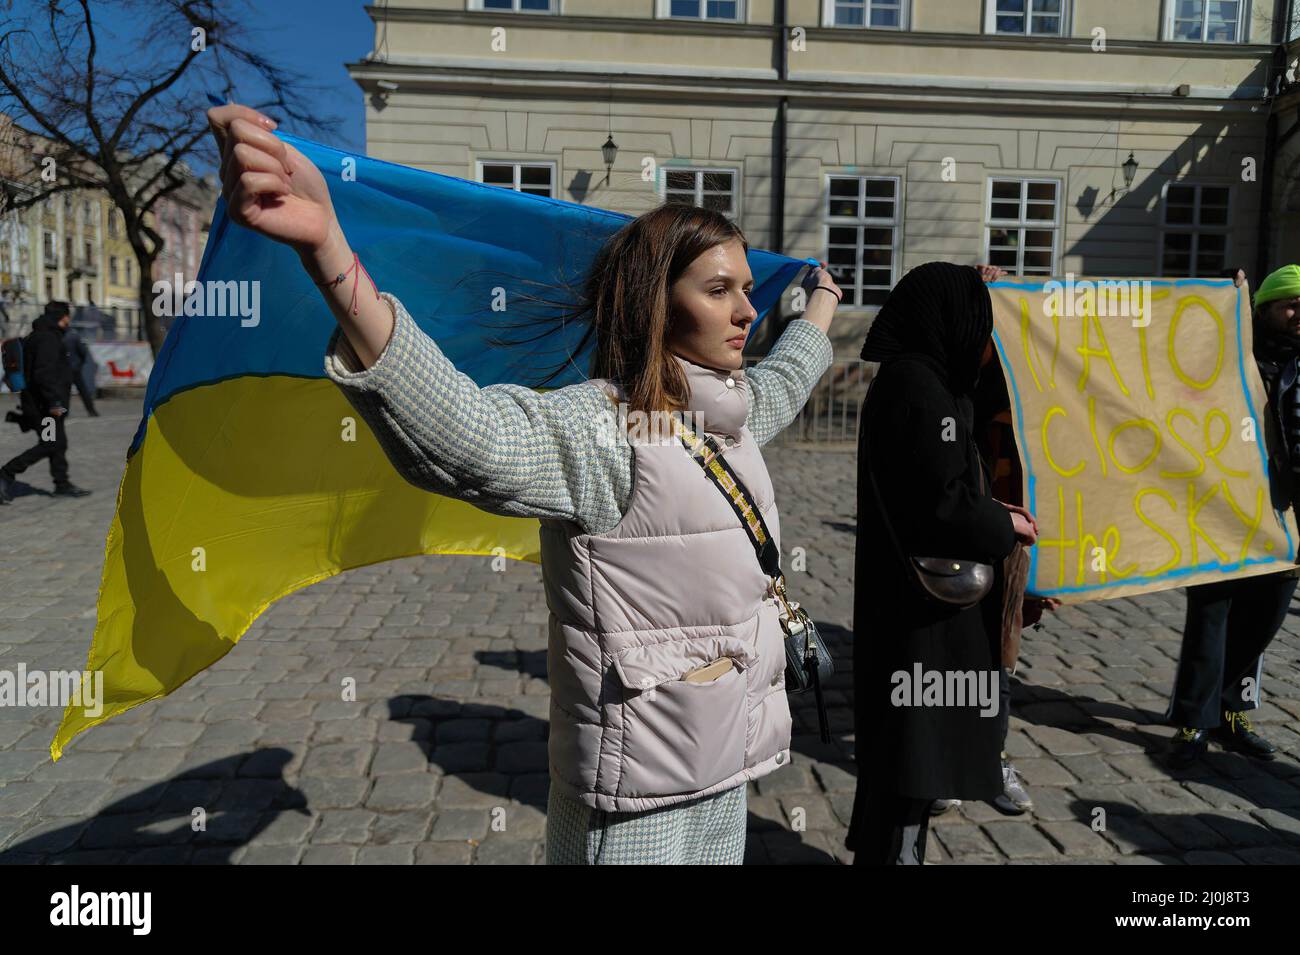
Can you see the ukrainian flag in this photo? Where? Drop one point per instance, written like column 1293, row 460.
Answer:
column 240, row 486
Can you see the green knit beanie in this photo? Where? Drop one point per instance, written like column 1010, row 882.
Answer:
column 1284, row 283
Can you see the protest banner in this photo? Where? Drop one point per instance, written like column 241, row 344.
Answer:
column 1139, row 415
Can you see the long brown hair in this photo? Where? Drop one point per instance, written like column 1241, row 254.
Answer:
column 624, row 300
column 628, row 292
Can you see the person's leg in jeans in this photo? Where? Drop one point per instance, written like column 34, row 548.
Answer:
column 59, row 454
column 1257, row 614
column 41, row 450
column 1014, row 798
column 1198, row 684
column 1195, row 706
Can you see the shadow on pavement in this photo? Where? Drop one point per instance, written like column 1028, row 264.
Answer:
column 154, row 826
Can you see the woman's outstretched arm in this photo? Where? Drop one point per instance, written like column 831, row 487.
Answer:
column 779, row 385
column 505, row 448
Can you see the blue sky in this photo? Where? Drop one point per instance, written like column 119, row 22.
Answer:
column 311, row 37
column 317, row 37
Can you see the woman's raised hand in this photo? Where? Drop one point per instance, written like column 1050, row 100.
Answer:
column 820, row 277
column 269, row 186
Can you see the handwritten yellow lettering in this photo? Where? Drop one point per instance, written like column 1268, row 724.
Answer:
column 1047, row 452
column 1186, row 303
column 1155, row 444
column 1200, row 462
column 1177, row 557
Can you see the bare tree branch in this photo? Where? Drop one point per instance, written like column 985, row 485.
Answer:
column 132, row 132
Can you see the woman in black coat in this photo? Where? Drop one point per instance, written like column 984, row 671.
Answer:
column 932, row 336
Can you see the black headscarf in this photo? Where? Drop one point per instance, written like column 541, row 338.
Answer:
column 938, row 312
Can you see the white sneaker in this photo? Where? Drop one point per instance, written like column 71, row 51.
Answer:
column 1014, row 800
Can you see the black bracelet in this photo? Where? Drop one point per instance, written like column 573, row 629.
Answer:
column 823, row 288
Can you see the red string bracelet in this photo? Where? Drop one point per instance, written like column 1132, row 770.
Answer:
column 339, row 279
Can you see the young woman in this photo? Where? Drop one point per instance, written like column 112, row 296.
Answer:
column 931, row 338
column 666, row 658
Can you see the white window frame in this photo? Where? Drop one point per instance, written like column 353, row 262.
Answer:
column 991, row 20
column 1195, row 229
column 661, row 184
column 519, row 164
column 904, row 17
column 1171, row 7
column 895, row 225
column 663, row 11
column 478, row 5
column 1022, row 223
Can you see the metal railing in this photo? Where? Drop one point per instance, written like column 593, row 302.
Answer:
column 830, row 416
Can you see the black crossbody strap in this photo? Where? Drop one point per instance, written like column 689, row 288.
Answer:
column 709, row 457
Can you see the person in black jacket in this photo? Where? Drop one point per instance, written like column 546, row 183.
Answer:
column 1230, row 623
column 931, row 337
column 44, row 402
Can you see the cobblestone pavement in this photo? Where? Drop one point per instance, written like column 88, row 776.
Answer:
column 450, row 662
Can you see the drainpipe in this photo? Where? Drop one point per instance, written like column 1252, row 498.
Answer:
column 1282, row 13
column 779, row 132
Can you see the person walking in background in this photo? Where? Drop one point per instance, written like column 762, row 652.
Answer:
column 44, row 403
column 1229, row 623
column 921, row 483
column 83, row 369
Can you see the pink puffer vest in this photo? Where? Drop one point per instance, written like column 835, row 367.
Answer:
column 674, row 586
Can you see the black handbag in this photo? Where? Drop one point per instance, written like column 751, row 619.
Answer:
column 807, row 661
column 947, row 580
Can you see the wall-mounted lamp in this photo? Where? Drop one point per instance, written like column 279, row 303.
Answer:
column 379, row 98
column 608, row 152
column 1130, row 168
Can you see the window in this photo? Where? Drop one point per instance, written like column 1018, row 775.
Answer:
column 702, row 9
column 1204, row 21
column 89, row 249
column 1022, row 225
column 874, row 14
column 862, row 236
column 51, row 246
column 130, row 271
column 1194, row 237
column 113, row 273
column 535, row 178
column 519, row 6
column 114, row 229
column 1027, row 17
column 49, row 287
column 707, row 188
